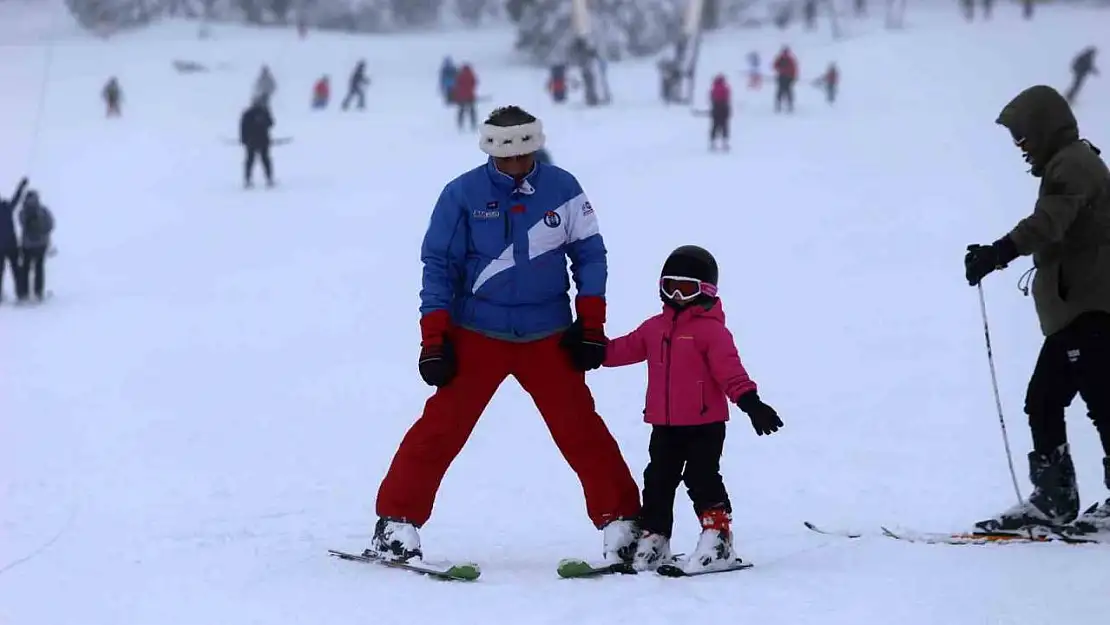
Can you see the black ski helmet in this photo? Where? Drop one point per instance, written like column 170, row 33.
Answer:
column 691, row 261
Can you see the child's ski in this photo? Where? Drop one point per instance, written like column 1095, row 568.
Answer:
column 574, row 568
column 455, row 572
column 675, row 569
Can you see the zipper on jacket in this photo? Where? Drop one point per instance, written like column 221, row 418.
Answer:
column 508, row 227
column 667, row 343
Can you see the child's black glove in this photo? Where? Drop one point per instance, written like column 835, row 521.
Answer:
column 764, row 418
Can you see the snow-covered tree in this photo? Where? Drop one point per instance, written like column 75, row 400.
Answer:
column 415, row 13
column 619, row 27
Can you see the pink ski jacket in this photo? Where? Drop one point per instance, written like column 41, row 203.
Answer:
column 694, row 370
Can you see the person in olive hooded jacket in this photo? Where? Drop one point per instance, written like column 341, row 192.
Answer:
column 1068, row 235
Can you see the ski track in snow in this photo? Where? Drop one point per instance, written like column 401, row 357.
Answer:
column 219, row 384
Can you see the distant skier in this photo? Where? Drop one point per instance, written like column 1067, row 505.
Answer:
column 687, row 406
column 447, row 74
column 9, row 244
column 489, row 312
column 720, row 112
column 37, row 224
column 113, row 97
column 755, row 72
column 988, row 9
column 809, row 13
column 254, row 135
column 1068, row 235
column 829, row 82
column 786, row 74
column 356, row 89
column 321, row 93
column 465, row 94
column 557, row 83
column 969, row 9
column 1082, row 66
column 670, row 80
column 265, row 85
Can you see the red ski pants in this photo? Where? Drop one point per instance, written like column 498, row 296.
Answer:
column 560, row 393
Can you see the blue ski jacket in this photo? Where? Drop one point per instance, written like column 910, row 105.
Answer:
column 495, row 253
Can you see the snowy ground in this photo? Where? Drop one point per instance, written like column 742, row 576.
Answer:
column 211, row 398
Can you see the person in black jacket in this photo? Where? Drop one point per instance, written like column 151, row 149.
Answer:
column 254, row 135
column 9, row 244
column 1082, row 66
column 356, row 91
column 37, row 223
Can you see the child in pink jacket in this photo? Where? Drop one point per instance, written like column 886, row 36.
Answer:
column 694, row 372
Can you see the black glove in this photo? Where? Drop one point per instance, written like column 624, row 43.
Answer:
column 764, row 418
column 437, row 363
column 981, row 260
column 586, row 346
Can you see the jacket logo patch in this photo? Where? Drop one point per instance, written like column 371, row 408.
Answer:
column 486, row 214
column 587, row 209
column 552, row 219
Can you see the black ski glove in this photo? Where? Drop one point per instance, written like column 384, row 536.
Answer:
column 764, row 418
column 981, row 260
column 586, row 346
column 437, row 363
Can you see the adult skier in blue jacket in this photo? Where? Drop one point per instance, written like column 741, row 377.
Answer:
column 495, row 303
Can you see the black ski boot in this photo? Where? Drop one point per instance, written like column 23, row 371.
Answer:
column 395, row 539
column 1096, row 519
column 1054, row 501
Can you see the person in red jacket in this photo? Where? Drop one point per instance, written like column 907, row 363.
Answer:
column 786, row 74
column 465, row 94
column 321, row 93
column 720, row 111
column 694, row 372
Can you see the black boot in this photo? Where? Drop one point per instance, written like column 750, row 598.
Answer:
column 1055, row 498
column 1097, row 518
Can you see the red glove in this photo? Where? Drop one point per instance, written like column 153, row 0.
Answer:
column 585, row 340
column 437, row 357
column 591, row 312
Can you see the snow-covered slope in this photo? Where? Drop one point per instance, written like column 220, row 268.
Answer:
column 211, row 398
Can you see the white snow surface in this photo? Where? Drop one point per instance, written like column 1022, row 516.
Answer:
column 214, row 393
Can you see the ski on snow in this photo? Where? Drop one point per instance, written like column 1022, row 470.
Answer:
column 1036, row 535
column 573, row 568
column 675, row 570
column 467, row 572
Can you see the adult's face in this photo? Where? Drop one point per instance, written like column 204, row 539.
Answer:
column 515, row 166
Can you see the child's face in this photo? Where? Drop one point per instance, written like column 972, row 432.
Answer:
column 681, row 291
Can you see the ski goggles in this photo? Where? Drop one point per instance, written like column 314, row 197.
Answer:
column 682, row 289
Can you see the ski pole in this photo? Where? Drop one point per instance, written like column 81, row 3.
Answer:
column 997, row 398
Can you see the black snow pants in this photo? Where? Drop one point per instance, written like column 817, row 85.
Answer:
column 34, row 260
column 466, row 111
column 355, row 93
column 262, row 153
column 784, row 93
column 1078, row 78
column 10, row 257
column 1074, row 361
column 719, row 123
column 690, row 454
